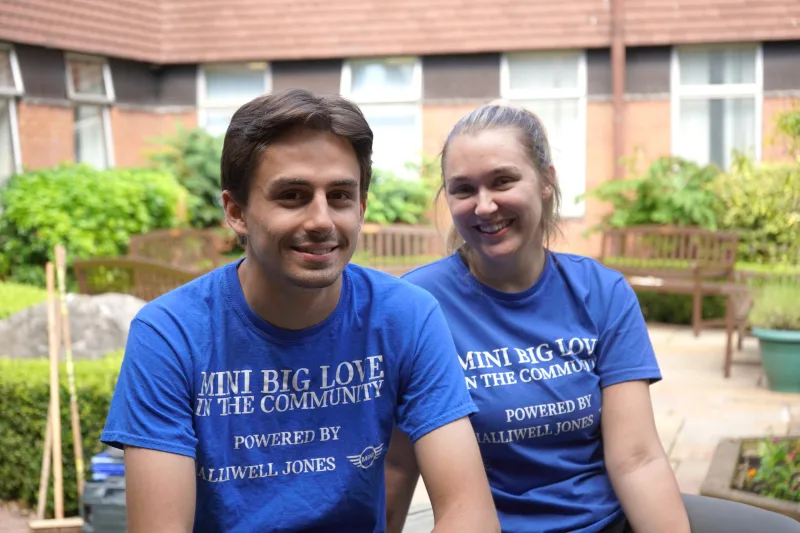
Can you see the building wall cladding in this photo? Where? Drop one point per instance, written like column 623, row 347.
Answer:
column 186, row 31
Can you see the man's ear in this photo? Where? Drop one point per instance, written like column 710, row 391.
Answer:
column 234, row 214
column 363, row 210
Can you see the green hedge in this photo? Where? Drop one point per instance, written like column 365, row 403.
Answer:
column 91, row 212
column 15, row 297
column 24, row 397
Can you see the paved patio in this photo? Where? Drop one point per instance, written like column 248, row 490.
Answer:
column 694, row 407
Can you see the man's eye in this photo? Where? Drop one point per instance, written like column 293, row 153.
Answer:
column 340, row 196
column 290, row 196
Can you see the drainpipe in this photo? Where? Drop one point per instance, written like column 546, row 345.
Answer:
column 618, row 83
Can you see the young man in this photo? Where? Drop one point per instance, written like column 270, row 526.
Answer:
column 262, row 396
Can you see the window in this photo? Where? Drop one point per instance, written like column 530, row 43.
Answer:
column 389, row 93
column 90, row 87
column 553, row 86
column 716, row 103
column 224, row 88
column 10, row 88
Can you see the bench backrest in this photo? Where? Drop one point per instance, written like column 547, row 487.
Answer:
column 670, row 252
column 193, row 249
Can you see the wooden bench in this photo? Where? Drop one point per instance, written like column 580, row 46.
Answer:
column 187, row 248
column 677, row 260
column 141, row 277
column 398, row 248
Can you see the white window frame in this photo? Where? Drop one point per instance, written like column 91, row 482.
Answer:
column 104, row 102
column 579, row 93
column 705, row 92
column 410, row 101
column 203, row 103
column 11, row 96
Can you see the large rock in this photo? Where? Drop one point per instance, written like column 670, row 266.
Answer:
column 98, row 325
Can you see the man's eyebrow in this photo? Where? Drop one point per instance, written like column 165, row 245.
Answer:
column 287, row 181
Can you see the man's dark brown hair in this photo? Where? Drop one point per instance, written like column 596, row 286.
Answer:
column 265, row 119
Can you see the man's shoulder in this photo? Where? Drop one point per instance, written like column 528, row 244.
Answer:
column 388, row 291
column 189, row 302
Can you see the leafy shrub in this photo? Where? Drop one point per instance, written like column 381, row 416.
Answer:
column 673, row 191
column 91, row 212
column 776, row 472
column 15, row 297
column 776, row 306
column 24, row 398
column 761, row 202
column 788, row 126
column 397, row 200
column 193, row 157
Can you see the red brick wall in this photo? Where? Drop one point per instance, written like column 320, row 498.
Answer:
column 774, row 146
column 437, row 121
column 599, row 168
column 46, row 137
column 135, row 132
column 647, row 131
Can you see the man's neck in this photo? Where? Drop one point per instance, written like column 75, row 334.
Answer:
column 283, row 305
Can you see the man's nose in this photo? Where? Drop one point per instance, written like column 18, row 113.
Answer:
column 319, row 217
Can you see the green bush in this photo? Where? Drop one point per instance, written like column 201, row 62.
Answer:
column 397, row 200
column 24, row 398
column 15, row 297
column 762, row 204
column 776, row 306
column 673, row 191
column 90, row 212
column 193, row 156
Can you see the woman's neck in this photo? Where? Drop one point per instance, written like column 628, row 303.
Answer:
column 513, row 275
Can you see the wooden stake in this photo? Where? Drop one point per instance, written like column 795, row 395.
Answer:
column 47, row 454
column 77, row 440
column 55, row 403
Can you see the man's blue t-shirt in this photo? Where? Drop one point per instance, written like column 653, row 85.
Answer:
column 535, row 363
column 289, row 429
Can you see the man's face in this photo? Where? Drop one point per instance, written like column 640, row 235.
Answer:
column 304, row 212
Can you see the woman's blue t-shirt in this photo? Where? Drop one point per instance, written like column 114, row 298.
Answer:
column 535, row 363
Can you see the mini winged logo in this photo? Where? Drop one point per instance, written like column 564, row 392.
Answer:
column 368, row 457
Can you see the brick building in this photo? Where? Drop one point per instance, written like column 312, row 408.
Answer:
column 96, row 80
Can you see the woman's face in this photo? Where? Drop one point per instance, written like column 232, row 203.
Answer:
column 494, row 193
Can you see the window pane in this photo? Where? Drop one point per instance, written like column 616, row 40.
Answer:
column 87, row 78
column 90, row 140
column 717, row 67
column 234, row 83
column 397, row 137
column 711, row 129
column 6, row 74
column 7, row 166
column 562, row 122
column 543, row 72
column 218, row 120
column 391, row 79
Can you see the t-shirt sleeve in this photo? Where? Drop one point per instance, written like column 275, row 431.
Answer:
column 151, row 406
column 625, row 350
column 433, row 392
